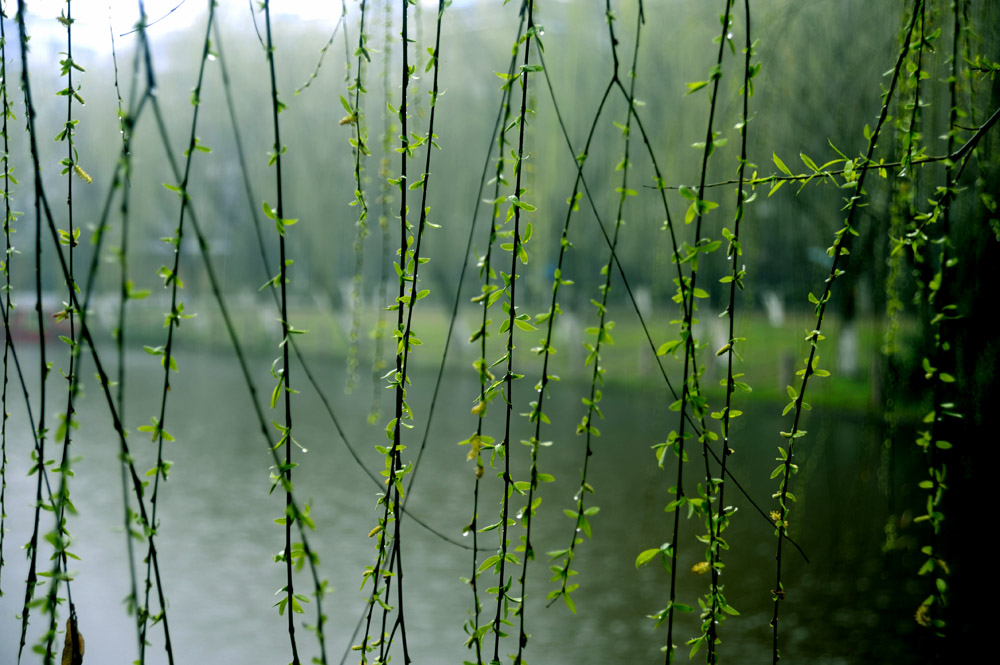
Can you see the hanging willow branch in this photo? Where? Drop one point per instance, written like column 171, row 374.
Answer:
column 356, row 117
column 602, row 333
column 384, row 201
column 59, row 537
column 32, row 545
column 6, row 303
column 172, row 279
column 513, row 322
column 839, row 249
column 85, row 334
column 718, row 607
column 626, row 282
column 125, row 293
column 480, row 442
column 289, row 602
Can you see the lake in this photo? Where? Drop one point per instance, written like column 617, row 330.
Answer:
column 217, row 537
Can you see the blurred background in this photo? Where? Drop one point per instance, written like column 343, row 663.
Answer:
column 824, row 69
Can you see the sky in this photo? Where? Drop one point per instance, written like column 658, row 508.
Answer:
column 91, row 17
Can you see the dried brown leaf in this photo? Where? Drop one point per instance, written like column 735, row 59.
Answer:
column 73, row 646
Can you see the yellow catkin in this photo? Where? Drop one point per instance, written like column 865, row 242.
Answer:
column 83, row 175
column 700, row 568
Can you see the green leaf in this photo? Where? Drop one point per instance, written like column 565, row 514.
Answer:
column 780, row 164
column 645, row 556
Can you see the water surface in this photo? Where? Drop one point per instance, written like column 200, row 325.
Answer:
column 217, row 538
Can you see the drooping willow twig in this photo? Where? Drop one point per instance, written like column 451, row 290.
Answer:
column 902, row 210
column 6, row 302
column 341, row 23
column 429, row 142
column 11, row 352
column 56, row 502
column 961, row 154
column 838, row 249
column 479, row 441
column 253, row 212
column 384, row 199
column 588, row 195
column 32, row 546
column 536, row 413
column 563, row 573
column 387, row 555
column 690, row 389
column 59, row 537
column 717, row 606
column 489, row 294
column 125, row 293
column 939, row 365
column 389, row 549
column 85, row 334
column 307, row 552
column 147, row 24
column 120, row 168
column 171, row 278
column 512, row 323
column 626, row 282
column 597, row 215
column 356, row 117
column 289, row 603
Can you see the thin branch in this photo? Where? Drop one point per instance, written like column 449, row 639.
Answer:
column 961, row 154
column 152, row 23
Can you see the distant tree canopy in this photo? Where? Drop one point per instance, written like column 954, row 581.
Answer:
column 822, row 68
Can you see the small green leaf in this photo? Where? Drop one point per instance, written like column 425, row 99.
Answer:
column 645, row 556
column 780, row 164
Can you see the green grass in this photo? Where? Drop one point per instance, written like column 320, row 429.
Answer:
column 770, row 354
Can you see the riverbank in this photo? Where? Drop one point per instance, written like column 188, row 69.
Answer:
column 770, row 355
